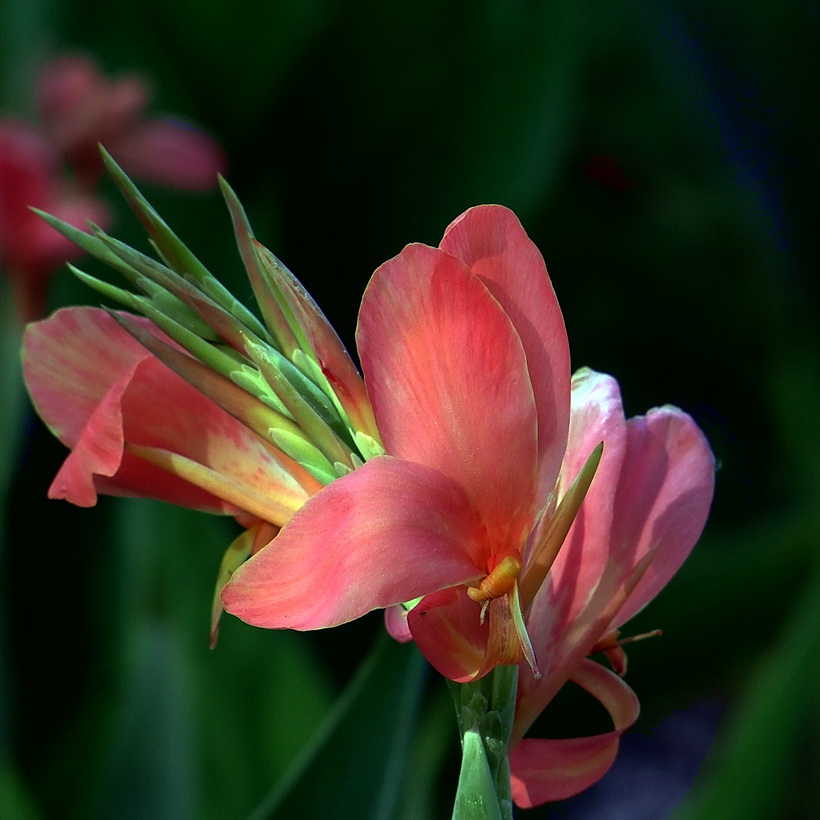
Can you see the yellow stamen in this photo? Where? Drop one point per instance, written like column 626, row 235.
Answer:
column 499, row 582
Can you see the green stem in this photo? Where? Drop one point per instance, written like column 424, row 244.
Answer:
column 485, row 711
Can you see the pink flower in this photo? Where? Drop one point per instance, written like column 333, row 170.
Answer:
column 466, row 364
column 465, row 359
column 30, row 250
column 80, row 109
column 495, row 529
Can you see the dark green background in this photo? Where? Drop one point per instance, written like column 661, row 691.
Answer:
column 663, row 156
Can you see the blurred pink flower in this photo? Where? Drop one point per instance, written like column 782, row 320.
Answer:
column 80, row 109
column 30, row 250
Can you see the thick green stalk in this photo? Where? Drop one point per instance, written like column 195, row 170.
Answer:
column 485, row 711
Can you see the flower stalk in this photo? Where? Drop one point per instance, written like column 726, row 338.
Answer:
column 485, row 710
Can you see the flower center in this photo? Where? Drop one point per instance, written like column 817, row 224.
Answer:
column 499, row 582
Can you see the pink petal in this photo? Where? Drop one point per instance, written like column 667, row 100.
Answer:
column 97, row 389
column 664, row 494
column 388, row 532
column 172, row 153
column 395, row 622
column 448, row 381
column 597, row 415
column 490, row 240
column 448, row 628
column 546, row 770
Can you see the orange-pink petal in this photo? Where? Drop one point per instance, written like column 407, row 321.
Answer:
column 448, row 380
column 547, row 770
column 462, row 639
column 597, row 415
column 388, row 532
column 491, row 241
column 98, row 390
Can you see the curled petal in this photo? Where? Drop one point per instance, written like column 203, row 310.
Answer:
column 388, row 532
column 664, row 494
column 463, row 639
column 546, row 770
column 490, row 240
column 395, row 622
column 448, row 629
column 447, row 376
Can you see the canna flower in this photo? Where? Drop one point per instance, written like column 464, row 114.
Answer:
column 466, row 364
column 465, row 360
column 500, row 511
column 80, row 108
column 30, row 250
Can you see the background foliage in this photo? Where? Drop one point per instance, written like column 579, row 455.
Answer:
column 662, row 155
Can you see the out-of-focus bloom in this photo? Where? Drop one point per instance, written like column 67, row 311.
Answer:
column 80, row 109
column 30, row 250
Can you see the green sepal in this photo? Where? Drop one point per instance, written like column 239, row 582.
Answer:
column 267, row 296
column 304, row 453
column 175, row 252
column 485, row 710
column 237, row 553
column 315, row 423
column 476, row 797
column 252, row 381
column 275, row 277
column 253, row 413
column 305, row 416
column 221, row 358
column 90, row 244
column 313, row 371
column 367, row 445
column 174, row 308
column 112, row 292
column 219, row 322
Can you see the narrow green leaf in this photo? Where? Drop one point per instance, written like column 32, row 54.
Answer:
column 371, row 730
column 266, row 292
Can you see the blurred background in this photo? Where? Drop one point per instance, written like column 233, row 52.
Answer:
column 663, row 157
